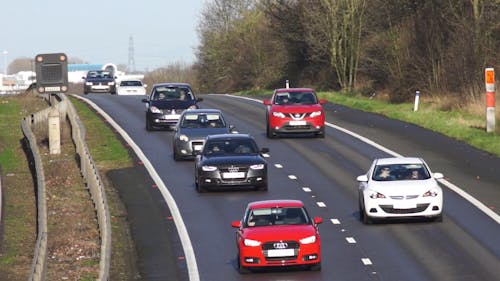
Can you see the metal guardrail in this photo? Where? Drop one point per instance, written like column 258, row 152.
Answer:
column 39, row 122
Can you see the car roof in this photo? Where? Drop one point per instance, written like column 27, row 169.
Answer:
column 275, row 203
column 229, row 136
column 281, row 90
column 172, row 84
column 399, row 160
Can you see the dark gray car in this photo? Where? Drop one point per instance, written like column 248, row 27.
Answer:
column 193, row 127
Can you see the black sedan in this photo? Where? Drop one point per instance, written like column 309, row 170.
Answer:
column 193, row 127
column 230, row 160
column 166, row 102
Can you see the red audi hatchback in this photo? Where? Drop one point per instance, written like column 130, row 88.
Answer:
column 295, row 110
column 277, row 233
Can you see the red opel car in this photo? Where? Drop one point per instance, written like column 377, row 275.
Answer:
column 295, row 110
column 277, row 233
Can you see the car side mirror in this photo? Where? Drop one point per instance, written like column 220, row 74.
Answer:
column 438, row 176
column 236, row 224
column 322, row 101
column 318, row 220
column 199, row 99
column 145, row 85
column 145, row 100
column 264, row 150
column 266, row 102
column 362, row 178
column 232, row 129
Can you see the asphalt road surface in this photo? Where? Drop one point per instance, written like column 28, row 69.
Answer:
column 321, row 173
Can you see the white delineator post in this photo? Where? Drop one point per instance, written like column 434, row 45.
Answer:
column 54, row 132
column 417, row 98
column 287, row 84
column 489, row 78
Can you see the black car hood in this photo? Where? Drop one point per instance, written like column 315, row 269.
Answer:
column 233, row 160
column 171, row 104
column 202, row 132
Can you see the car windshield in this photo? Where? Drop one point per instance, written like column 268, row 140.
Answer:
column 286, row 98
column 99, row 74
column 233, row 146
column 277, row 216
column 397, row 172
column 131, row 84
column 202, row 120
column 173, row 93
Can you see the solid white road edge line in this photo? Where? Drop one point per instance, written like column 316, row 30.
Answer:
column 446, row 183
column 172, row 205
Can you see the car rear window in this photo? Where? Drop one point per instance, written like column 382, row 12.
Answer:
column 277, row 216
column 395, row 172
column 284, row 98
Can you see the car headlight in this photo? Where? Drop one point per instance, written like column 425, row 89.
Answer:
column 279, row 114
column 375, row 195
column 208, row 168
column 184, row 138
column 155, row 109
column 431, row 193
column 308, row 240
column 251, row 243
column 111, row 83
column 316, row 113
column 257, row 167
column 88, row 83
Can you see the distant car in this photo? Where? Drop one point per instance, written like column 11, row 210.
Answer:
column 131, row 87
column 99, row 81
column 294, row 110
column 230, row 160
column 399, row 187
column 276, row 233
column 193, row 127
column 166, row 102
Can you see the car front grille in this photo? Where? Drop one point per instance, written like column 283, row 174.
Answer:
column 389, row 209
column 277, row 245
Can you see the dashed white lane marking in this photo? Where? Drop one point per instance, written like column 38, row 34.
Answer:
column 266, row 155
column 350, row 240
column 366, row 261
column 321, row 204
column 279, row 166
column 335, row 221
column 292, row 177
column 306, row 189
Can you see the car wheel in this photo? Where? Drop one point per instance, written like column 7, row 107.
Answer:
column 149, row 127
column 270, row 133
column 363, row 216
column 199, row 187
column 321, row 133
column 438, row 218
column 315, row 267
column 262, row 187
column 242, row 269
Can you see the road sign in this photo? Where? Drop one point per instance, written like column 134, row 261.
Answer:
column 51, row 73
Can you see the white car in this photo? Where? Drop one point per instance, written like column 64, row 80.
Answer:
column 399, row 187
column 131, row 87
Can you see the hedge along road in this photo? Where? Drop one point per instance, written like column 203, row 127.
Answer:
column 212, row 265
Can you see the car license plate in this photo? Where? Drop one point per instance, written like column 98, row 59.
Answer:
column 197, row 147
column 172, row 116
column 404, row 206
column 233, row 175
column 297, row 123
column 281, row 253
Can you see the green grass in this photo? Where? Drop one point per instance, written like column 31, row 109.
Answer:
column 105, row 149
column 457, row 124
column 11, row 134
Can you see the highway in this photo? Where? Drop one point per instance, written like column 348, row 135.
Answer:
column 322, row 173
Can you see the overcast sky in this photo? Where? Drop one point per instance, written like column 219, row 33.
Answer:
column 98, row 31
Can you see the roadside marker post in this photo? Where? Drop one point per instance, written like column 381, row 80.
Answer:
column 417, row 98
column 489, row 78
